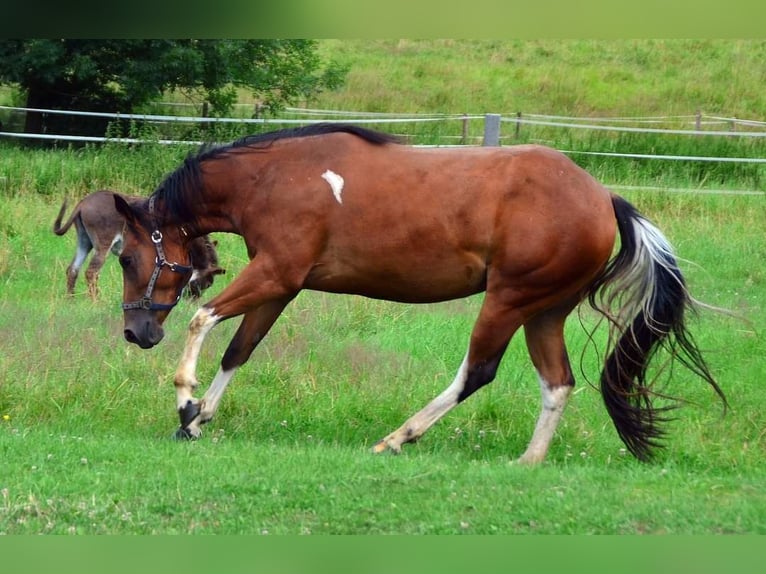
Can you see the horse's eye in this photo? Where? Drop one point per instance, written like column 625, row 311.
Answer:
column 125, row 261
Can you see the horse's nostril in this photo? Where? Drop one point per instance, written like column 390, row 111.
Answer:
column 130, row 336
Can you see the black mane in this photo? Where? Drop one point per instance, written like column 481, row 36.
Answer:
column 177, row 192
column 316, row 130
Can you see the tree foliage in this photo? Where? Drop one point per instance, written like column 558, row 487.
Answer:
column 121, row 75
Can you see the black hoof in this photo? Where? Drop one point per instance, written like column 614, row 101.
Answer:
column 188, row 413
column 183, row 434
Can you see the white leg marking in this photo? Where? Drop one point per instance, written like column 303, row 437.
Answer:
column 336, row 184
column 185, row 378
column 215, row 392
column 79, row 258
column 116, row 246
column 419, row 423
column 554, row 401
column 438, row 407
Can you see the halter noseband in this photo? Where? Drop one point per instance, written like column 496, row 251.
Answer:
column 159, row 262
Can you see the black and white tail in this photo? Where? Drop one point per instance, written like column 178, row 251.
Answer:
column 644, row 296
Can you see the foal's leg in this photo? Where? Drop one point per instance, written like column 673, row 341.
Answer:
column 94, row 267
column 84, row 246
column 498, row 321
column 545, row 341
column 253, row 328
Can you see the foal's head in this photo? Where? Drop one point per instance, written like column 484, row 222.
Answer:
column 204, row 258
column 156, row 265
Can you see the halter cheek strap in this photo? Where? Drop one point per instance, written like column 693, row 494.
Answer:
column 159, row 262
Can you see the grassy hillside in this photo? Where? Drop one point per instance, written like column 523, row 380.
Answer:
column 566, row 77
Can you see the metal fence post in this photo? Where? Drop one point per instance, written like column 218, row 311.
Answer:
column 491, row 130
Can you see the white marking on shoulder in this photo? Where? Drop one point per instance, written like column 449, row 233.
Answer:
column 336, row 184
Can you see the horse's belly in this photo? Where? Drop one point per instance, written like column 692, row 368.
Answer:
column 405, row 280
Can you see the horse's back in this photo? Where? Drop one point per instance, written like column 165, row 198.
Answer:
column 100, row 219
column 478, row 199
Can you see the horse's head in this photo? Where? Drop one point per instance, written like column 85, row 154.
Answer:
column 156, row 265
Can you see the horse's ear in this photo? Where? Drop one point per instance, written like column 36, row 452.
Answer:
column 124, row 209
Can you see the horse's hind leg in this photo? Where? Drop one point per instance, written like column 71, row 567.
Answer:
column 84, row 246
column 497, row 322
column 545, row 341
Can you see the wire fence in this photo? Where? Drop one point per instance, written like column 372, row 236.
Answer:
column 304, row 116
column 455, row 129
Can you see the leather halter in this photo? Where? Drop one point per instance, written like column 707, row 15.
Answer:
column 159, row 262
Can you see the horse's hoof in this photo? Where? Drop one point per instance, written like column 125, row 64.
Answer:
column 382, row 446
column 379, row 447
column 183, row 434
column 188, row 413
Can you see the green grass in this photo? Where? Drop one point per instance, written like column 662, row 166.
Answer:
column 93, row 485
column 86, row 445
column 76, row 172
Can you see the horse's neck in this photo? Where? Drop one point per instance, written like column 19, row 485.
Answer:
column 212, row 216
column 220, row 208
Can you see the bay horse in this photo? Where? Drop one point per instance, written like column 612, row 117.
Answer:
column 99, row 229
column 342, row 209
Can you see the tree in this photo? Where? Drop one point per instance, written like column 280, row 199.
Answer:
column 120, row 75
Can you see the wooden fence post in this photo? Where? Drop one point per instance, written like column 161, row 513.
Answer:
column 491, row 130
column 464, row 138
column 518, row 125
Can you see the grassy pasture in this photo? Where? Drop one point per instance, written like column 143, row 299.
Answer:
column 85, row 418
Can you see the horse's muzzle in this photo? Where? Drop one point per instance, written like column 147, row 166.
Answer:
column 145, row 337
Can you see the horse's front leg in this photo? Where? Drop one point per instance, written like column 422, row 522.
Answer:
column 186, row 379
column 254, row 327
